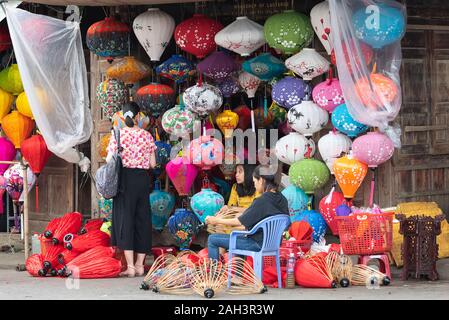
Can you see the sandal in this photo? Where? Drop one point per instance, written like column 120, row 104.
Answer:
column 140, row 270
column 129, row 274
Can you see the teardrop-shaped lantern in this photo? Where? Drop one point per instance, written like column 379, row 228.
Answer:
column 162, row 204
column 203, row 99
column 23, row 106
column 7, row 153
column 309, row 175
column 377, row 91
column 111, row 94
column 297, row 201
column 179, row 121
column 129, row 70
column 249, row 83
column 10, row 80
column 182, row 174
column 206, row 152
column 6, row 100
column 228, row 87
column 206, row 203
column 328, row 209
column 349, row 173
column 156, row 98
column 217, row 66
column 5, row 39
column 332, row 146
column 36, row 153
column 265, row 66
column 308, row 64
column 227, row 121
column 320, row 18
column 294, row 147
column 154, row 29
column 176, row 68
column 345, row 123
column 328, row 94
column 307, row 118
column 17, row 127
column 141, row 120
column 289, row 92
column 373, row 149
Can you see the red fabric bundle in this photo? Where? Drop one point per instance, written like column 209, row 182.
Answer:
column 67, row 255
column 312, row 273
column 300, row 230
column 69, row 223
column 270, row 276
column 89, row 240
column 94, row 224
column 34, row 264
column 50, row 258
column 94, row 253
column 51, row 228
column 99, row 267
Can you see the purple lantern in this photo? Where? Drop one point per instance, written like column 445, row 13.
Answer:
column 289, row 92
column 217, row 66
column 7, row 153
column 343, row 211
column 228, row 87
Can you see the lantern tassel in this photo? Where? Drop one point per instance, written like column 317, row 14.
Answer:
column 157, row 135
column 330, row 75
column 373, row 183
column 37, row 196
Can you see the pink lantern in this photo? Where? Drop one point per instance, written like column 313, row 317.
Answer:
column 206, row 152
column 182, row 174
column 328, row 94
column 7, row 153
column 373, row 149
column 328, row 209
column 3, row 184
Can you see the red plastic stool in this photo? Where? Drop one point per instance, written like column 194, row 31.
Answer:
column 384, row 263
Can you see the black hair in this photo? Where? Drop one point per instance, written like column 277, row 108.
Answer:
column 264, row 172
column 134, row 109
column 247, row 188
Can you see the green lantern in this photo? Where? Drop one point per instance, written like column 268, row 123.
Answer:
column 289, row 31
column 309, row 175
column 10, row 80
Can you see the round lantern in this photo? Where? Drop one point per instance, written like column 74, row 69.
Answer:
column 129, row 70
column 23, row 105
column 328, row 94
column 6, row 100
column 197, row 35
column 14, row 181
column 17, row 127
column 366, row 51
column 5, row 39
column 373, row 149
column 154, row 29
column 163, row 151
column 344, row 122
column 184, row 226
column 7, row 153
column 162, row 204
column 141, row 120
column 228, row 87
column 289, row 92
column 155, row 98
column 217, row 66
column 332, row 146
column 249, row 83
column 288, row 31
column 203, row 99
column 108, row 38
column 264, row 66
column 10, row 80
column 206, row 203
column 294, row 147
column 307, row 118
column 182, row 174
column 176, row 68
column 309, row 175
column 103, row 146
column 317, row 223
column 321, row 22
column 206, row 152
column 178, row 121
column 377, row 91
column 244, row 114
column 111, row 94
column 227, row 121
column 349, row 173
column 243, row 36
column 308, row 64
column 328, row 209
column 297, row 201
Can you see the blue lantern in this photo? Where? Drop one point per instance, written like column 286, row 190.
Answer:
column 162, row 156
column 177, row 68
column 380, row 26
column 297, row 201
column 345, row 123
column 184, row 226
column 162, row 204
column 316, row 221
column 264, row 66
column 206, row 202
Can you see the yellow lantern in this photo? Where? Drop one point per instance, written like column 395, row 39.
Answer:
column 10, row 80
column 227, row 121
column 129, row 70
column 23, row 106
column 6, row 100
column 103, row 146
column 17, row 127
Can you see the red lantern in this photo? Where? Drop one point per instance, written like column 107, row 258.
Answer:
column 197, row 35
column 244, row 114
column 328, row 208
column 155, row 98
column 5, row 39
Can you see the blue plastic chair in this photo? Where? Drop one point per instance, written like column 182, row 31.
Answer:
column 273, row 227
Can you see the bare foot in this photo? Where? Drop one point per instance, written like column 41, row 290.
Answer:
column 140, row 270
column 130, row 272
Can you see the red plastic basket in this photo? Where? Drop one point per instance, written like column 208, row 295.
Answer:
column 366, row 234
column 286, row 248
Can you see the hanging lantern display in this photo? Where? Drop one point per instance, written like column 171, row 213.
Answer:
column 228, row 87
column 103, row 146
column 308, row 64
column 375, row 91
column 206, row 152
column 333, row 146
column 162, row 204
column 279, row 114
column 154, row 29
column 328, row 209
column 307, row 118
column 243, row 36
column 7, row 153
column 176, row 68
column 227, row 121
column 203, row 99
column 10, row 80
column 14, row 181
column 297, row 201
column 17, row 127
column 328, row 94
column 206, row 202
column 366, row 50
column 345, row 123
column 264, row 66
column 182, row 174
column 155, row 98
column 262, row 120
column 6, row 100
column 111, row 94
column 108, row 38
column 5, row 39
column 197, row 35
column 249, row 83
column 321, row 21
column 184, row 226
column 349, row 173
column 289, row 92
column 309, row 175
column 317, row 223
column 288, row 31
column 129, row 70
column 178, row 121
column 294, row 147
column 163, row 151
column 244, row 113
column 141, row 120
column 373, row 149
column 23, row 106
column 217, row 66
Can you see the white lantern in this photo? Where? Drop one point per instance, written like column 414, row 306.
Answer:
column 203, row 99
column 154, row 29
column 307, row 118
column 308, row 64
column 332, row 146
column 320, row 18
column 294, row 147
column 243, row 36
column 249, row 83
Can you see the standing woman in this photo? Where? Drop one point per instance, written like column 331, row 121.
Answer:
column 131, row 214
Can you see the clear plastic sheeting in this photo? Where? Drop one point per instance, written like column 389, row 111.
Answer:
column 367, row 43
column 50, row 56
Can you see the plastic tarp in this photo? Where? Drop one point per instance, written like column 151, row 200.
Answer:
column 50, row 57
column 366, row 41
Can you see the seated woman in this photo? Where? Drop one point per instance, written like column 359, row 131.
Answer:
column 270, row 203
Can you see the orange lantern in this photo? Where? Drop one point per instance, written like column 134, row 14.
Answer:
column 129, row 70
column 227, row 121
column 349, row 173
column 103, row 146
column 380, row 89
column 17, row 127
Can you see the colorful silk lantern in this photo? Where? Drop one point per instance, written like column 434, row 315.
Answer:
column 307, row 118
column 6, row 100
column 349, row 173
column 10, row 80
column 328, row 94
column 184, row 226
column 264, row 66
column 129, row 70
column 228, row 87
column 111, row 94
column 332, row 146
column 328, row 209
column 103, row 146
column 377, row 91
column 162, row 204
column 176, row 68
column 217, row 66
column 243, row 36
column 227, row 121
column 206, row 152
column 5, row 39
column 206, row 202
column 7, row 153
column 179, row 121
column 366, row 50
column 156, row 98
column 141, row 120
column 17, row 127
column 203, row 99
column 154, row 29
column 182, row 174
column 108, row 38
column 309, row 175
column 14, row 181
column 288, row 31
column 373, row 149
column 320, row 19
column 163, row 151
column 294, row 147
column 345, row 123
column 196, row 35
column 244, row 113
column 249, row 83
column 317, row 223
column 289, row 92
column 308, row 64
column 23, row 106
column 297, row 201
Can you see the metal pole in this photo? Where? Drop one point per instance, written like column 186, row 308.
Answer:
column 25, row 221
